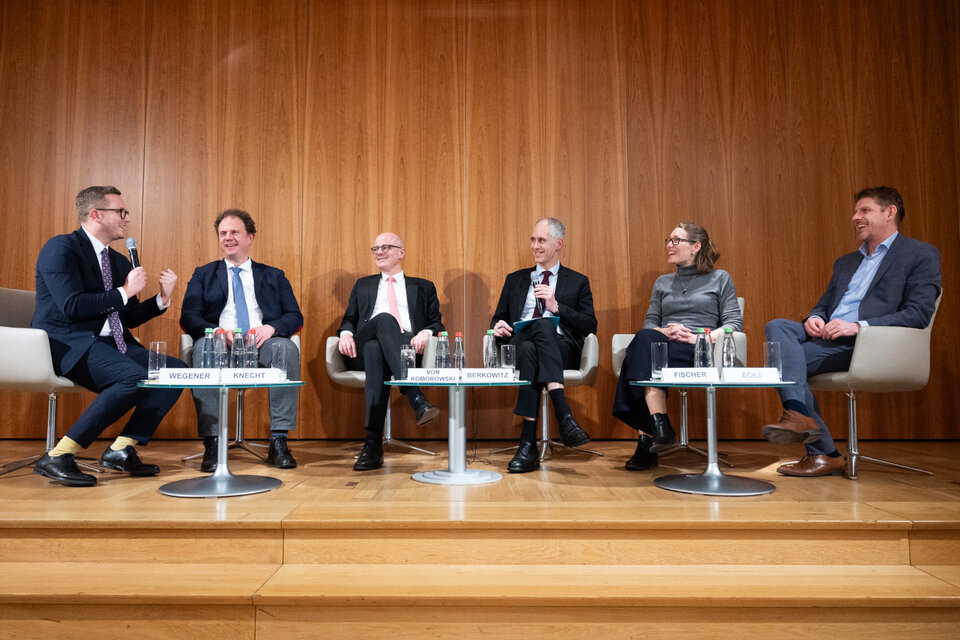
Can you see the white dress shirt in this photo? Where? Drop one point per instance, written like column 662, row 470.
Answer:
column 228, row 317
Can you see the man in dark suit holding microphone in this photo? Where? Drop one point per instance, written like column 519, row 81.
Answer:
column 87, row 303
column 237, row 292
column 545, row 349
column 891, row 280
column 385, row 311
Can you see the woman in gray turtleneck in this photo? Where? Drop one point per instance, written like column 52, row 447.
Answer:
column 696, row 295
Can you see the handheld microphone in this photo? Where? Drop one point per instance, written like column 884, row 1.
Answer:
column 534, row 280
column 132, row 250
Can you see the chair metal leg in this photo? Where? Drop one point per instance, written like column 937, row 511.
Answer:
column 853, row 449
column 545, row 444
column 389, row 440
column 684, row 442
column 51, row 441
column 238, row 441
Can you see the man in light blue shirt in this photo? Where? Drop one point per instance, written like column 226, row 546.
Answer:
column 891, row 280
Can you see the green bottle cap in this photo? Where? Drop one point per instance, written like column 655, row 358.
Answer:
column 701, row 330
column 727, row 330
column 489, row 332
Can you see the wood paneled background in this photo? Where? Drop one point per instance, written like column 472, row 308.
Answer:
column 457, row 124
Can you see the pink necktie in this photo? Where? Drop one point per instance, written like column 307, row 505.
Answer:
column 392, row 301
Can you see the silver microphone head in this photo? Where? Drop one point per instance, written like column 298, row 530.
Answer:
column 534, row 278
column 131, row 243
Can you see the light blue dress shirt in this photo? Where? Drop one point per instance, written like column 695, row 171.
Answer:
column 849, row 307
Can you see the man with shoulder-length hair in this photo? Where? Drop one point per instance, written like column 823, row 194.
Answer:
column 545, row 347
column 237, row 292
column 891, row 280
column 87, row 303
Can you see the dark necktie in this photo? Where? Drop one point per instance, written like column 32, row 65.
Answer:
column 240, row 301
column 537, row 309
column 116, row 330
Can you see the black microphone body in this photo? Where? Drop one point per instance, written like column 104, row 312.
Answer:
column 132, row 250
column 534, row 280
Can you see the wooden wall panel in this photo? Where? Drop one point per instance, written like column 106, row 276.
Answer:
column 382, row 153
column 458, row 124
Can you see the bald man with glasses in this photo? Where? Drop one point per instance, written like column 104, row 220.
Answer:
column 385, row 311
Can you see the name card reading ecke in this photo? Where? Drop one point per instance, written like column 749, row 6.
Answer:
column 747, row 375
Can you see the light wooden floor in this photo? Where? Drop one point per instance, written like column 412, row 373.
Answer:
column 579, row 548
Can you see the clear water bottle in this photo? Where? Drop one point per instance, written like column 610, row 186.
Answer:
column 250, row 349
column 490, row 359
column 443, row 351
column 207, row 357
column 220, row 358
column 729, row 349
column 238, row 359
column 702, row 350
column 459, row 357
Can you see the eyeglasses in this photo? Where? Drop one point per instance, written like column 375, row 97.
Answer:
column 383, row 248
column 123, row 212
column 675, row 241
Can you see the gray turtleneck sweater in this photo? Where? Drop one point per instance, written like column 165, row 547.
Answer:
column 694, row 300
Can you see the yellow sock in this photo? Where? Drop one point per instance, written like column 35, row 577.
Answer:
column 122, row 443
column 66, row 445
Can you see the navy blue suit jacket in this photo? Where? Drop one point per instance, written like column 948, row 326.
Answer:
column 903, row 292
column 71, row 303
column 574, row 299
column 422, row 302
column 207, row 293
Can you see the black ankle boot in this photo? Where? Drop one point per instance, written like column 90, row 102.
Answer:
column 662, row 432
column 209, row 462
column 279, row 454
column 643, row 458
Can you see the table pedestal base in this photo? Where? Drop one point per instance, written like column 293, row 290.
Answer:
column 714, row 484
column 219, row 486
column 469, row 476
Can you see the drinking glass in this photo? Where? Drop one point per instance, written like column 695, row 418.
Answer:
column 508, row 356
column 408, row 360
column 156, row 360
column 658, row 359
column 771, row 357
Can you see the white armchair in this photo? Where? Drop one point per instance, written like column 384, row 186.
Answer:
column 884, row 359
column 338, row 372
column 27, row 365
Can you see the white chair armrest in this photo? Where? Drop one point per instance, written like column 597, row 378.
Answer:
column 186, row 348
column 890, row 359
column 589, row 361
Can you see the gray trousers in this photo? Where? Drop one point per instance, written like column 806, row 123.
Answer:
column 804, row 356
column 283, row 402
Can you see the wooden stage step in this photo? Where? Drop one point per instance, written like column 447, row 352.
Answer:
column 491, row 601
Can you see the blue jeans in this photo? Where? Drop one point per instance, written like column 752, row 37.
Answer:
column 804, row 356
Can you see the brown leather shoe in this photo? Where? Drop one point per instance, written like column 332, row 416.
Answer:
column 792, row 428
column 813, row 466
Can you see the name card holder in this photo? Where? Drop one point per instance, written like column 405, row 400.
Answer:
column 748, row 375
column 694, row 375
column 190, row 376
column 251, row 376
column 488, row 375
column 435, row 376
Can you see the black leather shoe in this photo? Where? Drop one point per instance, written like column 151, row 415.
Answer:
column 526, row 459
column 571, row 433
column 128, row 461
column 209, row 462
column 370, row 458
column 63, row 469
column 643, row 459
column 662, row 431
column 424, row 410
column 279, row 455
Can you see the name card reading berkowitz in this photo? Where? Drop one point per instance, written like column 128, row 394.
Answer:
column 458, row 376
column 748, row 375
column 691, row 374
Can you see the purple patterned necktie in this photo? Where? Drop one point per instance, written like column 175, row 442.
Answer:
column 114, row 318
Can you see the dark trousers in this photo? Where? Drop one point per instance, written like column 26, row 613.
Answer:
column 114, row 376
column 542, row 355
column 804, row 356
column 378, row 356
column 630, row 402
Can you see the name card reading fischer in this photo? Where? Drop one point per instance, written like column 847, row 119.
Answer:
column 684, row 374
